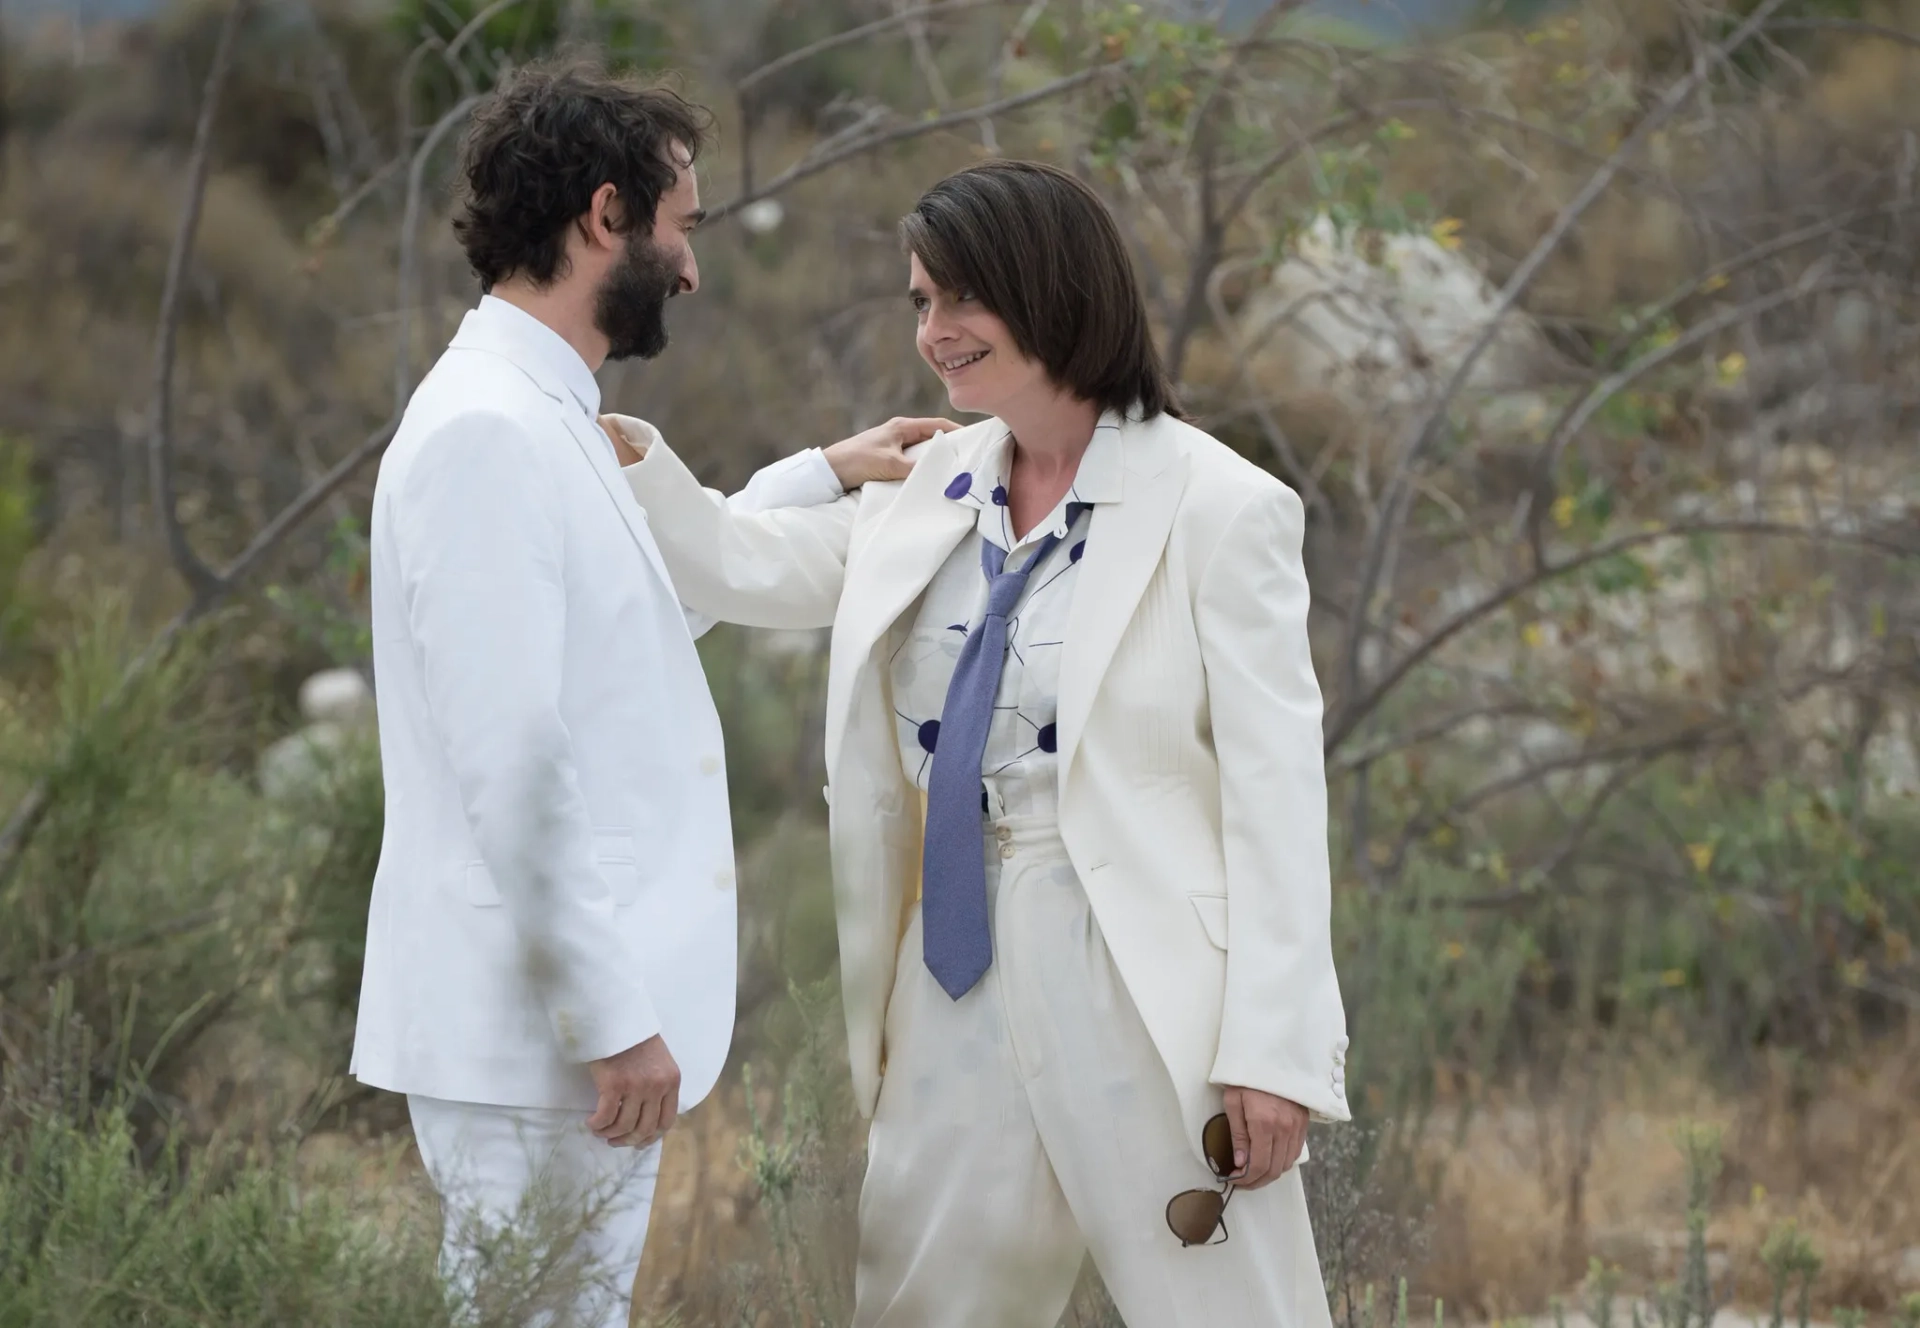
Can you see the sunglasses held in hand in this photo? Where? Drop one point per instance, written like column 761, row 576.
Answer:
column 1196, row 1216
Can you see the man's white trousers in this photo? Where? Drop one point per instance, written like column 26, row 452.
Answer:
column 518, row 1184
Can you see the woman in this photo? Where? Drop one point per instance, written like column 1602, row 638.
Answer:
column 1077, row 799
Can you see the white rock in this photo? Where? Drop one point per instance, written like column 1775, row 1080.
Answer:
column 763, row 217
column 1906, row 1272
column 296, row 764
column 1382, row 320
column 1892, row 769
column 336, row 696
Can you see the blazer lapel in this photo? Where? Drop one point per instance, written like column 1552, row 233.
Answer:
column 895, row 562
column 1124, row 546
column 493, row 332
column 599, row 454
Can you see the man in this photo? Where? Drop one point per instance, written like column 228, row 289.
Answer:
column 550, row 952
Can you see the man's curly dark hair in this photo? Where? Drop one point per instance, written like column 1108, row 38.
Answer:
column 539, row 147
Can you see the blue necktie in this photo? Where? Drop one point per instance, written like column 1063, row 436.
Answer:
column 956, row 938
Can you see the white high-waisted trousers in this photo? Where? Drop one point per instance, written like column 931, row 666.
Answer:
column 1031, row 1122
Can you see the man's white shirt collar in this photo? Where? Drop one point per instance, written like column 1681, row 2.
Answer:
column 534, row 338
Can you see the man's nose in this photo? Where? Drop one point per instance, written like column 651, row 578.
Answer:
column 689, row 274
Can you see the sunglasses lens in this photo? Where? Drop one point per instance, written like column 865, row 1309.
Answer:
column 1194, row 1215
column 1217, row 1141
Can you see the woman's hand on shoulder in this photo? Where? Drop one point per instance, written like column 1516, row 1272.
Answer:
column 880, row 453
column 627, row 446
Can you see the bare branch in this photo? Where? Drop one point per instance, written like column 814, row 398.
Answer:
column 26, row 818
column 997, row 73
column 1396, row 493
column 323, row 229
column 900, row 18
column 403, row 88
column 297, row 511
column 1854, row 26
column 1639, row 755
column 1215, row 219
column 474, row 25
column 1583, row 409
column 409, row 243
column 66, row 963
column 929, row 67
column 815, row 163
column 1431, row 731
column 166, row 343
column 1718, row 273
column 1352, row 713
column 1298, row 473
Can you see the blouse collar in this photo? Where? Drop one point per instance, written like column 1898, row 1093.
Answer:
column 1098, row 480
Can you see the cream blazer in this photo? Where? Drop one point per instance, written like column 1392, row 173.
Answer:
column 1192, row 787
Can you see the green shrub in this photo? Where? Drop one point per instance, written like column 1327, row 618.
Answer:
column 16, row 537
column 90, row 1237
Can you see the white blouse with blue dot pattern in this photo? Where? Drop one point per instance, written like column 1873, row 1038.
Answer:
column 1019, row 770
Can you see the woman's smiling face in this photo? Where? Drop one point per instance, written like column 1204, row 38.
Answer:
column 970, row 348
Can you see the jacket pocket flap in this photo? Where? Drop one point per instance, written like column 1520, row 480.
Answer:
column 1213, row 916
column 613, row 853
column 619, row 864
column 477, row 884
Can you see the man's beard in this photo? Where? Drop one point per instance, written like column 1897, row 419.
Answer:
column 631, row 307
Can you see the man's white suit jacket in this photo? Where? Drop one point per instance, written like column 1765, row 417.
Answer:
column 1192, row 787
column 556, row 880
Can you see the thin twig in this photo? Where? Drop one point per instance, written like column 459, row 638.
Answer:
column 1350, row 714
column 1854, row 26
column 1215, row 218
column 815, row 163
column 327, row 225
column 166, row 342
column 929, row 67
column 1394, row 497
column 66, row 963
column 997, row 72
column 299, row 510
column 1583, row 410
column 409, row 244
column 1431, row 731
column 1298, row 473
column 1638, row 753
column 900, row 18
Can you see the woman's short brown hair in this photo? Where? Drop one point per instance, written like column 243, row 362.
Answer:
column 1039, row 249
column 540, row 146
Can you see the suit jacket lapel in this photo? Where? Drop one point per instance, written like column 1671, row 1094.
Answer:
column 599, row 454
column 894, row 563
column 481, row 332
column 1124, row 546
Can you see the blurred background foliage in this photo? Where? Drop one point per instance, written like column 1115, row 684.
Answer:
column 1624, row 820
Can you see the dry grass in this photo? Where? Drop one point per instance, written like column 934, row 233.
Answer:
column 1842, row 1159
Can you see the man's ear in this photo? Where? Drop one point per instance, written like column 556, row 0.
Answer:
column 606, row 213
